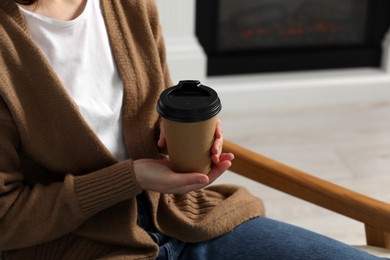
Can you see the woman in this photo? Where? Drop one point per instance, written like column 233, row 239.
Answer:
column 81, row 174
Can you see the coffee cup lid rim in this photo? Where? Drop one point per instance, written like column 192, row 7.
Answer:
column 189, row 101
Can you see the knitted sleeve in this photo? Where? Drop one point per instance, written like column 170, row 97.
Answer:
column 35, row 213
column 33, row 210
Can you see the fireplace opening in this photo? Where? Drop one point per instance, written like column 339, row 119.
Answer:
column 251, row 36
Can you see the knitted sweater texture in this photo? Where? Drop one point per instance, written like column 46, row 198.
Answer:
column 62, row 193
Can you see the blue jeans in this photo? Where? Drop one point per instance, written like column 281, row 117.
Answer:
column 259, row 238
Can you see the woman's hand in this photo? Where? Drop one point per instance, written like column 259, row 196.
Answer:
column 156, row 175
column 216, row 149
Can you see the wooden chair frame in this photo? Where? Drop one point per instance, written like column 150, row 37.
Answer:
column 373, row 213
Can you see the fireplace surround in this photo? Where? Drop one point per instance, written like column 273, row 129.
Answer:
column 252, row 36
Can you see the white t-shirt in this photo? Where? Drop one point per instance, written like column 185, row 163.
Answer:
column 80, row 53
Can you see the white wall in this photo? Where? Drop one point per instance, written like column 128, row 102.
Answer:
column 185, row 56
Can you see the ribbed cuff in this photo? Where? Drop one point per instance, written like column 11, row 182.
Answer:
column 104, row 188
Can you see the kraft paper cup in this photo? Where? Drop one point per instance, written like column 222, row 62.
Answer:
column 188, row 112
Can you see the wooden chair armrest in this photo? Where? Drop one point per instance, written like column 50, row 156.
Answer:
column 373, row 213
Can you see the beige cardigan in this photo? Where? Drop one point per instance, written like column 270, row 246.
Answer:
column 62, row 194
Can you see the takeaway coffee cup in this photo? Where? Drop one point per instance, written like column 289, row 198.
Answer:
column 188, row 112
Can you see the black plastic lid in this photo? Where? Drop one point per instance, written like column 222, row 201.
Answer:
column 189, row 101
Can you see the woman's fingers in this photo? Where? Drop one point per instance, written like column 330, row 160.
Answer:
column 225, row 161
column 216, row 148
column 155, row 175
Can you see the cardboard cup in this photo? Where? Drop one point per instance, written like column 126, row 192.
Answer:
column 188, row 111
column 189, row 144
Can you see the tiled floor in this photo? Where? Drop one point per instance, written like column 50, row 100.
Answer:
column 338, row 133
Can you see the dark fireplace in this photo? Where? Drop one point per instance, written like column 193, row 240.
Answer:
column 252, row 36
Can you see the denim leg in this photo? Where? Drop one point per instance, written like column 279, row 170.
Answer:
column 263, row 238
column 259, row 238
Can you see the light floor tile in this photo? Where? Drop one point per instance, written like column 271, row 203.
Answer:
column 339, row 135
